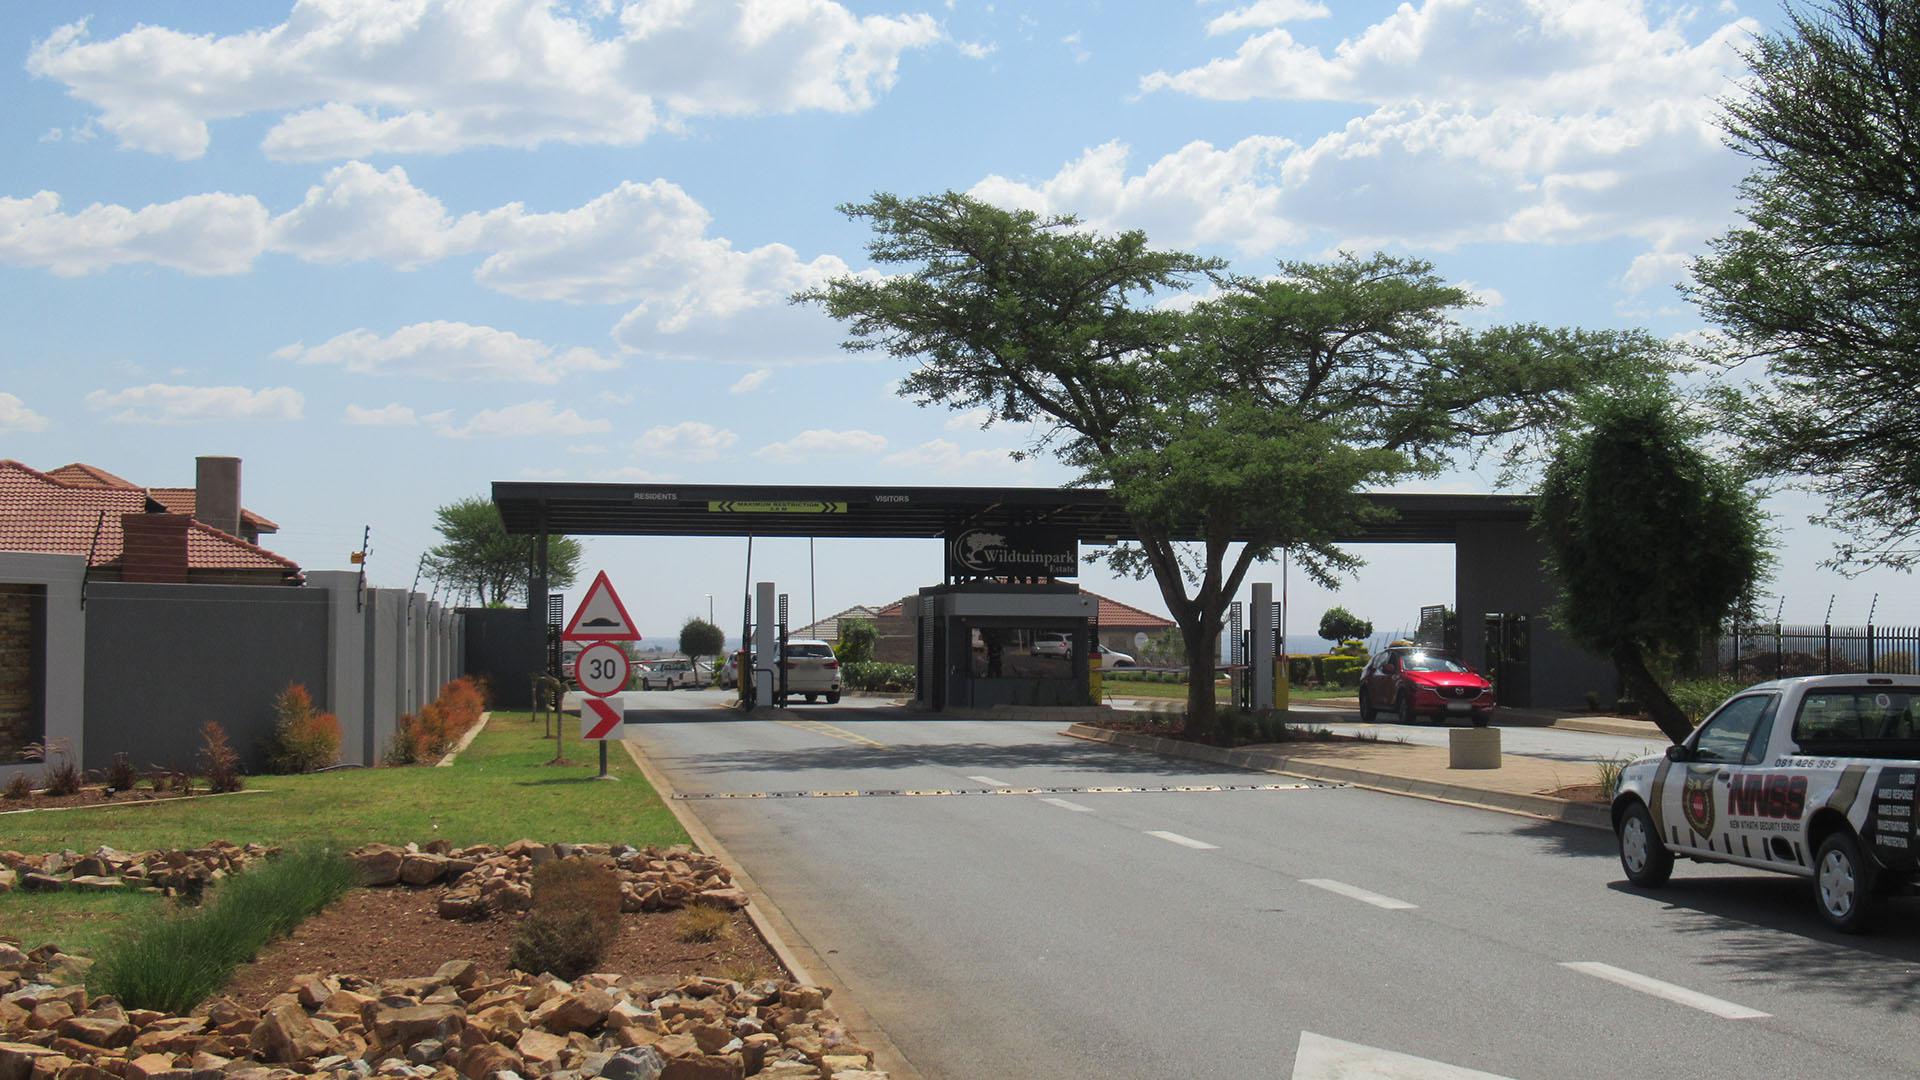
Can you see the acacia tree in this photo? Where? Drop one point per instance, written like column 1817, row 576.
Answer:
column 1823, row 281
column 476, row 554
column 1653, row 541
column 1244, row 424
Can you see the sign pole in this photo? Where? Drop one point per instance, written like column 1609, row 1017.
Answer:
column 603, row 763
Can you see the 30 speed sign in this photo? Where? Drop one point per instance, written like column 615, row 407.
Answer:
column 601, row 669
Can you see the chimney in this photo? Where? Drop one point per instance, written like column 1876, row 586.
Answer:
column 216, row 493
column 153, row 548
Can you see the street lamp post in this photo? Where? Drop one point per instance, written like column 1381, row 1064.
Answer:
column 709, row 607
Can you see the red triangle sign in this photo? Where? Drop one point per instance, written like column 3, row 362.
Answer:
column 601, row 616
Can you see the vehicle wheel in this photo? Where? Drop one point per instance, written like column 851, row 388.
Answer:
column 1405, row 708
column 1843, row 885
column 811, row 698
column 1367, row 711
column 645, row 685
column 1646, row 860
column 833, row 699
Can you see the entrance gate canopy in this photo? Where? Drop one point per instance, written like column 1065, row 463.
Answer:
column 1093, row 515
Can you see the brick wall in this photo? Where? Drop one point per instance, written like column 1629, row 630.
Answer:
column 20, row 633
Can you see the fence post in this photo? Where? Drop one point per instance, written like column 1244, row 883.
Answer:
column 1736, row 650
column 1870, row 663
column 1827, row 631
column 1779, row 651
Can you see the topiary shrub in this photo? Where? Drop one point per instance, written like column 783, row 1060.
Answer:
column 576, row 911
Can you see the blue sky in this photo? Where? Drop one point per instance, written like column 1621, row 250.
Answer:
column 389, row 252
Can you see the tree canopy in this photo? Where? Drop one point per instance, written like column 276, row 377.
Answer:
column 1822, row 283
column 1653, row 541
column 477, row 556
column 1338, row 624
column 698, row 637
column 856, row 640
column 1252, row 419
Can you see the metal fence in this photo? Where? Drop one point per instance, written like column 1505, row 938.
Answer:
column 1776, row 651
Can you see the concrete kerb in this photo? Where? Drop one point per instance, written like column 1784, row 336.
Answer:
column 1535, row 806
column 789, row 946
column 465, row 741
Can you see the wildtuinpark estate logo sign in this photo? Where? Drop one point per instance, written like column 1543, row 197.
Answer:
column 1013, row 552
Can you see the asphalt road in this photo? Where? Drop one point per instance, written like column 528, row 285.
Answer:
column 1293, row 932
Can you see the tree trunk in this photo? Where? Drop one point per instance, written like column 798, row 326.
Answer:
column 1648, row 691
column 1201, row 648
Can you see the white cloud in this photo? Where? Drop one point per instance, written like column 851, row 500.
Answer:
column 1265, row 13
column 357, row 213
column 821, row 442
column 201, row 234
column 615, row 397
column 1075, row 48
column 1196, row 195
column 15, row 416
column 976, row 50
column 159, row 403
column 688, row 439
column 971, row 420
column 586, row 449
column 394, row 415
column 943, row 456
column 529, row 419
column 1481, row 53
column 449, row 350
column 751, row 381
column 633, row 474
column 355, row 77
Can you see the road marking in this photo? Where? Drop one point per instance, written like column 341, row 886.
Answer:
column 1322, row 1058
column 818, row 727
column 1183, row 841
column 1066, row 804
column 989, row 781
column 1355, row 892
column 1680, row 995
column 895, row 792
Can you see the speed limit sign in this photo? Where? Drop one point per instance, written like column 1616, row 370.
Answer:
column 601, row 669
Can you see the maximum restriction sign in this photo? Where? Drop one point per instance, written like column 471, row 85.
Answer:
column 601, row 669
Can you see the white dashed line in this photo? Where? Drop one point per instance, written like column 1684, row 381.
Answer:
column 1183, row 841
column 989, row 781
column 1354, row 892
column 1067, row 805
column 1680, row 995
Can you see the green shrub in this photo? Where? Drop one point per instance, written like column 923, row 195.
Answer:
column 576, row 912
column 1698, row 697
column 1343, row 670
column 18, row 787
column 1607, row 772
column 61, row 776
column 172, row 960
column 1300, row 670
column 856, row 641
column 873, row 675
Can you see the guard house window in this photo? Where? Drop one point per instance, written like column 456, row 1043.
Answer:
column 1007, row 652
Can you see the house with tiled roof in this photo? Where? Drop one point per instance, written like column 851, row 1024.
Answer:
column 197, row 535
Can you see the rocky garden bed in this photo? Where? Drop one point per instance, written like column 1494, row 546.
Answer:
column 392, row 980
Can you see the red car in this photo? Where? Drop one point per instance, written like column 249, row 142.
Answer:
column 1415, row 682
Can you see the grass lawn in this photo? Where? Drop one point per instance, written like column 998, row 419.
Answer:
column 500, row 790
column 1124, row 688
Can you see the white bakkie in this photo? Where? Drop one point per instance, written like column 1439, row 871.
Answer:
column 1812, row 776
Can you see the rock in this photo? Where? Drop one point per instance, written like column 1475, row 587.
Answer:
column 80, row 1070
column 834, row 1063
column 463, row 905
column 804, row 998
column 426, row 1051
column 9, row 880
column 90, row 866
column 312, row 990
column 540, row 1047
column 48, row 1015
column 460, row 973
column 149, row 1066
column 788, row 1070
column 395, row 1027
column 106, row 1032
column 710, row 1037
column 286, row 1034
column 94, row 883
column 636, row 1063
column 10, row 955
column 859, row 1074
column 487, row 1059
column 705, row 1067
column 422, row 869
column 379, row 864
column 17, row 1059
column 574, row 1011
column 729, row 897
column 40, row 883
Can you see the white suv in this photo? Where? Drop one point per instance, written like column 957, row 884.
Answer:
column 812, row 670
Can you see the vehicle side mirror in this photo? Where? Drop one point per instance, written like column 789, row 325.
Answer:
column 1679, row 752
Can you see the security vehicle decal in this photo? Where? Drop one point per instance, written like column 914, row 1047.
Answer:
column 1890, row 818
column 1776, row 801
column 1696, row 800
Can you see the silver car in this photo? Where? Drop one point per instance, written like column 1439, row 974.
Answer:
column 812, row 671
column 671, row 675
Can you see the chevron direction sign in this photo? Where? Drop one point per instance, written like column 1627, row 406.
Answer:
column 771, row 506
